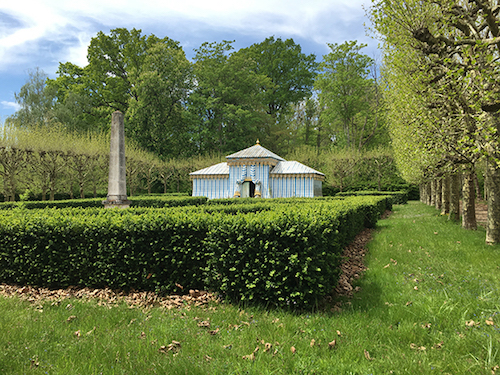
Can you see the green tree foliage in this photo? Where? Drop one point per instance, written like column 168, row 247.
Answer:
column 455, row 45
column 349, row 98
column 74, row 106
column 225, row 105
column 156, row 117
column 126, row 69
column 35, row 100
column 291, row 74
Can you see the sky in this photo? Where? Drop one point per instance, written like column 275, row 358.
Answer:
column 43, row 33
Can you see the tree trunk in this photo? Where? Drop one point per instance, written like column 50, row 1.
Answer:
column 445, row 196
column 433, row 193
column 493, row 200
column 469, row 202
column 454, row 214
column 478, row 189
column 428, row 193
column 12, row 189
column 439, row 193
column 82, row 190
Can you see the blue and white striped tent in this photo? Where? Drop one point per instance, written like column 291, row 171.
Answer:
column 257, row 172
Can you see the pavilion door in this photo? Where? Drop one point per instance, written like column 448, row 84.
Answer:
column 248, row 189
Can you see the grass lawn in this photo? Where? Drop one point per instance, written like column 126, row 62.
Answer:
column 429, row 303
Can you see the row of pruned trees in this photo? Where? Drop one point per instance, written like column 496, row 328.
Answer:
column 50, row 162
column 351, row 169
column 443, row 95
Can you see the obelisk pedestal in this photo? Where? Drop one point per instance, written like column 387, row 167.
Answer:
column 117, row 185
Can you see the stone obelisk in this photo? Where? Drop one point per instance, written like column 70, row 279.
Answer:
column 117, row 184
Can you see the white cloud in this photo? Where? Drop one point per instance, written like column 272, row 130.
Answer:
column 55, row 20
column 10, row 105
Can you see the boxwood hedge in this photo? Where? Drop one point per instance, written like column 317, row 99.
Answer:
column 279, row 254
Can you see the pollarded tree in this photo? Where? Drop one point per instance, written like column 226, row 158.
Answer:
column 459, row 44
column 13, row 161
column 15, row 154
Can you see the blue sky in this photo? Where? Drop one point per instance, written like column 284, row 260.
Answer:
column 43, row 33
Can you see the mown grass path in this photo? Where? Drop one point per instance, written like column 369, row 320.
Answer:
column 429, row 303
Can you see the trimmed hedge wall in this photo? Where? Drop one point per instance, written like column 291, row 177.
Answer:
column 140, row 201
column 279, row 254
column 398, row 197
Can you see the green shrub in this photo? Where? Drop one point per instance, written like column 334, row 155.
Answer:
column 276, row 252
column 397, row 197
column 158, row 201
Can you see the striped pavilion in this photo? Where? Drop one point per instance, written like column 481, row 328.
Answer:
column 257, row 172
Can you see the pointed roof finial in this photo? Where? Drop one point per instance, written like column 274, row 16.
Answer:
column 258, row 143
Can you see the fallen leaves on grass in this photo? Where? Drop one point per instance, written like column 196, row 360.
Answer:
column 251, row 356
column 490, row 322
column 293, row 350
column 332, row 344
column 471, row 323
column 174, row 347
column 367, row 355
column 204, row 324
column 214, row 332
column 439, row 345
column 416, row 347
column 34, row 362
column 107, row 296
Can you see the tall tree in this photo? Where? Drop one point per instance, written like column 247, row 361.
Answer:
column 128, row 70
column 291, row 72
column 156, row 115
column 345, row 86
column 226, row 102
column 35, row 101
column 74, row 107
